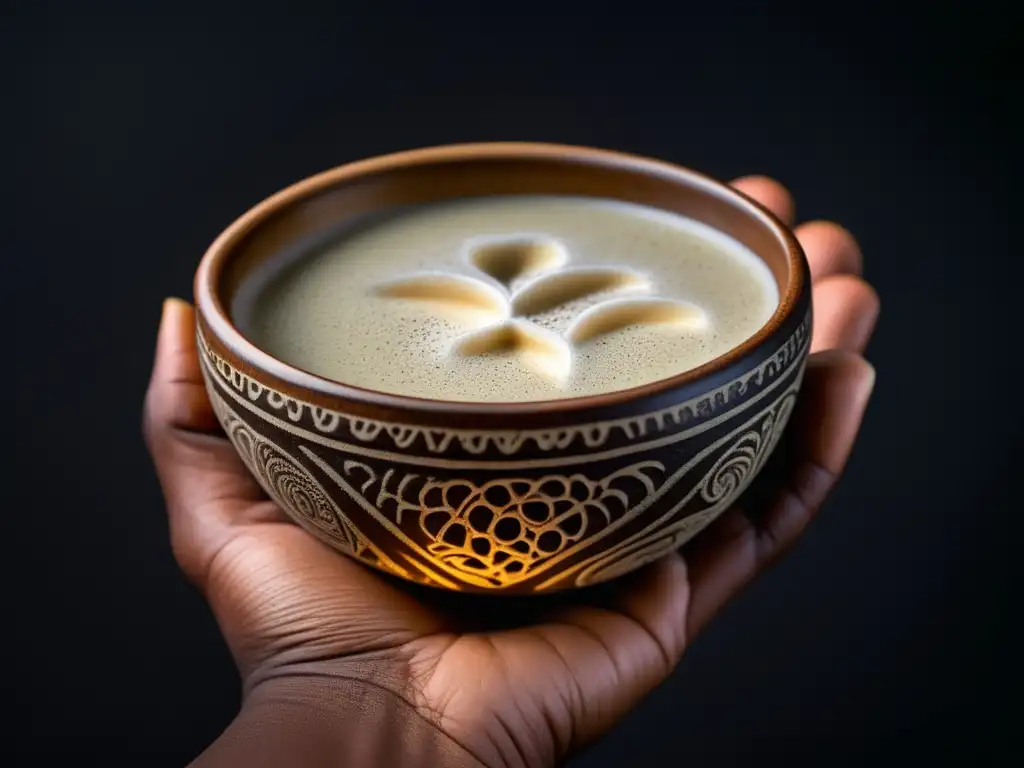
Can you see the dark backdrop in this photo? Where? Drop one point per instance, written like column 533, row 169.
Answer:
column 136, row 135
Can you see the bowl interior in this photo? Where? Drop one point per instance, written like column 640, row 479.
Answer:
column 301, row 217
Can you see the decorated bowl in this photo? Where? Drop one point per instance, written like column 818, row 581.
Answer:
column 523, row 497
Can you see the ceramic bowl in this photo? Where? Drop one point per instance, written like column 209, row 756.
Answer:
column 517, row 497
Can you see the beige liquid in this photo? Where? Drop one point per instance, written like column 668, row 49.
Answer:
column 508, row 299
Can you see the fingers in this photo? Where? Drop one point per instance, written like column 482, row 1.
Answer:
column 836, row 390
column 837, row 386
column 830, row 249
column 846, row 310
column 205, row 485
column 845, row 306
column 769, row 193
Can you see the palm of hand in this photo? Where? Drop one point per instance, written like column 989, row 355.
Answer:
column 539, row 677
column 520, row 680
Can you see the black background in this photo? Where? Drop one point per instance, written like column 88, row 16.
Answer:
column 137, row 132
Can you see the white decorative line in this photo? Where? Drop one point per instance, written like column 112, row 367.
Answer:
column 438, row 440
column 508, row 529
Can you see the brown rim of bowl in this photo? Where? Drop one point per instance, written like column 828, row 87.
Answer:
column 213, row 312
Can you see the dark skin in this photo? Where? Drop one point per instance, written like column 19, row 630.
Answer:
column 322, row 642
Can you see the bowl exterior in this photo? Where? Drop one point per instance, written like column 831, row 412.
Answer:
column 513, row 510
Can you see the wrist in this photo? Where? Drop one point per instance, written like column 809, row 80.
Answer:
column 331, row 721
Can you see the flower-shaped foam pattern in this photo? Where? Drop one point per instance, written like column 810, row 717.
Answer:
column 520, row 279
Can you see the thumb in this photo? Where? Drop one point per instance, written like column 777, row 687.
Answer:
column 176, row 400
column 206, row 486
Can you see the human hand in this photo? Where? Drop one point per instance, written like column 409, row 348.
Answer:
column 323, row 642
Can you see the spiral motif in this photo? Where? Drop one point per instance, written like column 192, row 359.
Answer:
column 292, row 487
column 243, row 440
column 500, row 532
column 287, row 482
column 729, row 474
column 719, row 487
column 731, row 471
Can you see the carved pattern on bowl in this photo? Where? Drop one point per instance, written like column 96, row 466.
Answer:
column 454, row 518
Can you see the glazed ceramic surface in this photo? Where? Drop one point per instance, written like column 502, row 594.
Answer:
column 517, row 497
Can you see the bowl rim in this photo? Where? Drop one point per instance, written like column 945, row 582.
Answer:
column 216, row 317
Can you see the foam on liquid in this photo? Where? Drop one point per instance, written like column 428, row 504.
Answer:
column 511, row 299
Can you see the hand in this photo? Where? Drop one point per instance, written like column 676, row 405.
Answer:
column 513, row 681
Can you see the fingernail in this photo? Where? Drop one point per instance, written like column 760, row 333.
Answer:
column 173, row 319
column 868, row 382
column 171, row 307
column 865, row 329
column 871, row 375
